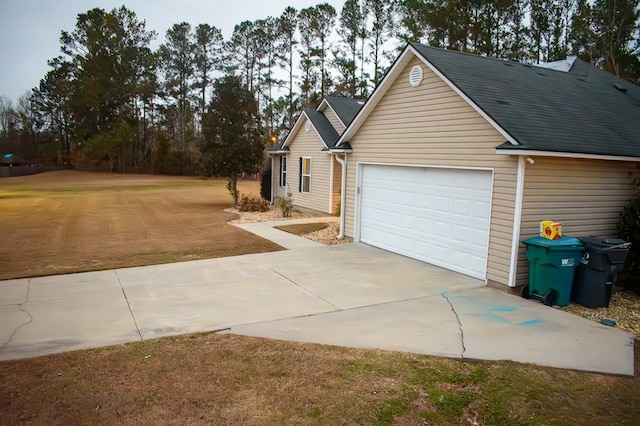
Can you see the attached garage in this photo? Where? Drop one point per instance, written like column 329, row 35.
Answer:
column 438, row 215
column 455, row 158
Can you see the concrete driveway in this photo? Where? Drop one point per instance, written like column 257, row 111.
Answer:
column 353, row 295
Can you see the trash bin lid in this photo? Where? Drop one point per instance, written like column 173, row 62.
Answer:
column 564, row 241
column 605, row 243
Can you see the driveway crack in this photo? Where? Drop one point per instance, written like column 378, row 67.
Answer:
column 22, row 308
column 464, row 349
column 128, row 305
column 295, row 283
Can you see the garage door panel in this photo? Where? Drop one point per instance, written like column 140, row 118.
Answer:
column 395, row 197
column 424, row 225
column 440, row 216
column 462, row 233
column 444, row 204
column 482, row 209
column 441, row 254
column 459, row 260
column 408, row 222
column 441, row 229
column 425, row 201
column 463, row 207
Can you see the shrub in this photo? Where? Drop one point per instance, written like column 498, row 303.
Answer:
column 265, row 184
column 285, row 204
column 249, row 203
column 629, row 230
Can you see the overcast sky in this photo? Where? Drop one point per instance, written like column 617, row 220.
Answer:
column 30, row 29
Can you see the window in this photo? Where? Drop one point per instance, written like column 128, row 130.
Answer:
column 305, row 175
column 283, row 171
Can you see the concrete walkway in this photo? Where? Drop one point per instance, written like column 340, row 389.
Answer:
column 285, row 239
column 353, row 295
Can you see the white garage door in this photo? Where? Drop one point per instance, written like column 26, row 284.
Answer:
column 440, row 216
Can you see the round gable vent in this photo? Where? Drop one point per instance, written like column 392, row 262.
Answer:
column 307, row 126
column 415, row 76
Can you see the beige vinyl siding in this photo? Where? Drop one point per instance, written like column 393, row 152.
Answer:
column 430, row 125
column 585, row 196
column 309, row 144
column 281, row 192
column 334, row 120
column 337, row 184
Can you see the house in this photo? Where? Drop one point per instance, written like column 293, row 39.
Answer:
column 12, row 160
column 304, row 163
column 455, row 158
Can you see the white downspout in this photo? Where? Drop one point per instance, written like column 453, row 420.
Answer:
column 331, row 169
column 343, row 193
column 273, row 173
column 517, row 218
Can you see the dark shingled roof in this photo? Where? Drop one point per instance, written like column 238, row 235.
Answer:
column 277, row 148
column 323, row 126
column 581, row 111
column 345, row 108
column 12, row 159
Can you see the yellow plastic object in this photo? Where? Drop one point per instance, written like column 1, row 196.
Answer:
column 550, row 230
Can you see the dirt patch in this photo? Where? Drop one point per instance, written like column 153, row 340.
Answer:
column 302, row 228
column 327, row 236
column 62, row 222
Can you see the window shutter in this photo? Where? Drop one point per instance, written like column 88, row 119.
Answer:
column 300, row 176
column 281, row 170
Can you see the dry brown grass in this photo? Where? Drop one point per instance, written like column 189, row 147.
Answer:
column 228, row 379
column 302, row 228
column 68, row 221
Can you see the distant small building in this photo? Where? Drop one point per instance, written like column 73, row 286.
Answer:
column 12, row 160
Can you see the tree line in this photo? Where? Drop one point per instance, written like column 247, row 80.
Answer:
column 110, row 99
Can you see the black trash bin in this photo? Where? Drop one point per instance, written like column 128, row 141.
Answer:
column 602, row 259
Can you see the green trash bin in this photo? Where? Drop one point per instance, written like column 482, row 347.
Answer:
column 552, row 265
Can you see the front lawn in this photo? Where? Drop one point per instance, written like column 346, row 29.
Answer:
column 228, row 379
column 70, row 221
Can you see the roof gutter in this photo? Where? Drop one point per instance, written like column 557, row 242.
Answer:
column 278, row 152
column 512, row 151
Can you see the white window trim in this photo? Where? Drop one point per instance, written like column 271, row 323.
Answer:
column 303, row 175
column 283, row 171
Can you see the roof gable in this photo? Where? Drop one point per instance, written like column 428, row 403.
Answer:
column 323, row 127
column 534, row 108
column 401, row 62
column 320, row 124
column 344, row 108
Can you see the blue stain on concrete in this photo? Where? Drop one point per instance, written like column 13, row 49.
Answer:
column 504, row 309
column 496, row 312
column 455, row 296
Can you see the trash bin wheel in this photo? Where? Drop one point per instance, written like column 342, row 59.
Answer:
column 550, row 297
column 525, row 292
